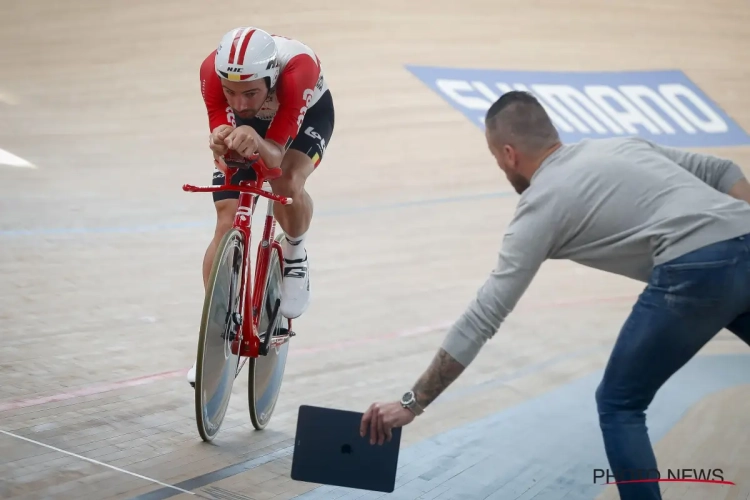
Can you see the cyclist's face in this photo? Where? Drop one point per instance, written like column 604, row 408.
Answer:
column 245, row 98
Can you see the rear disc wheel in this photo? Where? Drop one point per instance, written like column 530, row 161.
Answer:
column 267, row 372
column 216, row 366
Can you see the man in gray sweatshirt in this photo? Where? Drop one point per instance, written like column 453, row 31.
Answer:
column 677, row 221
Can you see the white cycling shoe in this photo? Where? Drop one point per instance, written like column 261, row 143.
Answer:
column 191, row 375
column 295, row 295
column 295, row 287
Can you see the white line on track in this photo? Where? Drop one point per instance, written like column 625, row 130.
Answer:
column 11, row 160
column 96, row 462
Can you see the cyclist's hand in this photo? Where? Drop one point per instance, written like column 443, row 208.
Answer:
column 244, row 140
column 220, row 164
column 217, row 139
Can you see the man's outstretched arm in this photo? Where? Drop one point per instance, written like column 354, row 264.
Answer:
column 720, row 173
column 529, row 241
column 441, row 373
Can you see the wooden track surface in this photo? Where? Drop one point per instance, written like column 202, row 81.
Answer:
column 100, row 250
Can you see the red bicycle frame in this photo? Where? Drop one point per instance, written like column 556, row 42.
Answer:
column 249, row 340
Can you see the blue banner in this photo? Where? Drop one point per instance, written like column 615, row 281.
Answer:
column 663, row 106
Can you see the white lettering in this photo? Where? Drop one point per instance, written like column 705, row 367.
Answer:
column 230, row 116
column 485, row 91
column 710, row 123
column 557, row 120
column 504, row 88
column 600, row 109
column 307, row 95
column 312, row 133
column 564, row 97
column 627, row 117
column 451, row 88
column 637, row 93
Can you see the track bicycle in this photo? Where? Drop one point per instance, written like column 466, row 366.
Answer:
column 241, row 320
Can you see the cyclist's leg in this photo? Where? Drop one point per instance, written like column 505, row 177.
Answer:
column 225, row 203
column 303, row 157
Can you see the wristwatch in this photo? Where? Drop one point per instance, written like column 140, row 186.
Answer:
column 409, row 401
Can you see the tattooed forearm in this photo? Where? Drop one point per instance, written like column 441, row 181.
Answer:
column 442, row 372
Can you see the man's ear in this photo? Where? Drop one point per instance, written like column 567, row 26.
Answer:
column 510, row 155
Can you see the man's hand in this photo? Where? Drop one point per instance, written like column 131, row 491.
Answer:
column 380, row 418
column 217, row 140
column 244, row 140
column 740, row 190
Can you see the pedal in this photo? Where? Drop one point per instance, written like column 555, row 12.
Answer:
column 283, row 332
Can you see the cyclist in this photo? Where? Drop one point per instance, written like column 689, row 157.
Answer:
column 267, row 94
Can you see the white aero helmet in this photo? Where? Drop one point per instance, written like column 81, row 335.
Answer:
column 246, row 54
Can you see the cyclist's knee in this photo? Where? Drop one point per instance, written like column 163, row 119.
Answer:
column 291, row 183
column 297, row 167
column 225, row 212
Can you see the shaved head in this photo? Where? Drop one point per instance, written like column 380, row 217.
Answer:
column 519, row 135
column 519, row 120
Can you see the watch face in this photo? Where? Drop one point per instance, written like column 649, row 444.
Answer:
column 408, row 398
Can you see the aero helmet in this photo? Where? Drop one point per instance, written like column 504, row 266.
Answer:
column 246, row 54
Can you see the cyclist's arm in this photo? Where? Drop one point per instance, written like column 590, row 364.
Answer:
column 271, row 152
column 218, row 110
column 295, row 89
column 719, row 173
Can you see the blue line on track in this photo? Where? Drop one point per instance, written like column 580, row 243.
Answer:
column 171, row 226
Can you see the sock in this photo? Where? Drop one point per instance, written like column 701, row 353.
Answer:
column 294, row 248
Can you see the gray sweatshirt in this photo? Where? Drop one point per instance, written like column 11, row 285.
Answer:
column 620, row 205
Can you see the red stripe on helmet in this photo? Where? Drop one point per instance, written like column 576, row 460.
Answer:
column 234, row 45
column 243, row 49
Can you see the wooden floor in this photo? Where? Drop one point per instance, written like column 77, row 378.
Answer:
column 100, row 250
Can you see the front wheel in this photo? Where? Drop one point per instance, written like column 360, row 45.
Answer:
column 267, row 371
column 216, row 366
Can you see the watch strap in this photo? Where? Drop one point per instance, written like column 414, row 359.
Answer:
column 409, row 401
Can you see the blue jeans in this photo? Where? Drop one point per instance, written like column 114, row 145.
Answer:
column 686, row 302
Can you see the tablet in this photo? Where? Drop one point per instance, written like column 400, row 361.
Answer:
column 329, row 450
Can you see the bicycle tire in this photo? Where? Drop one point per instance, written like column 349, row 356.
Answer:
column 266, row 372
column 216, row 367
